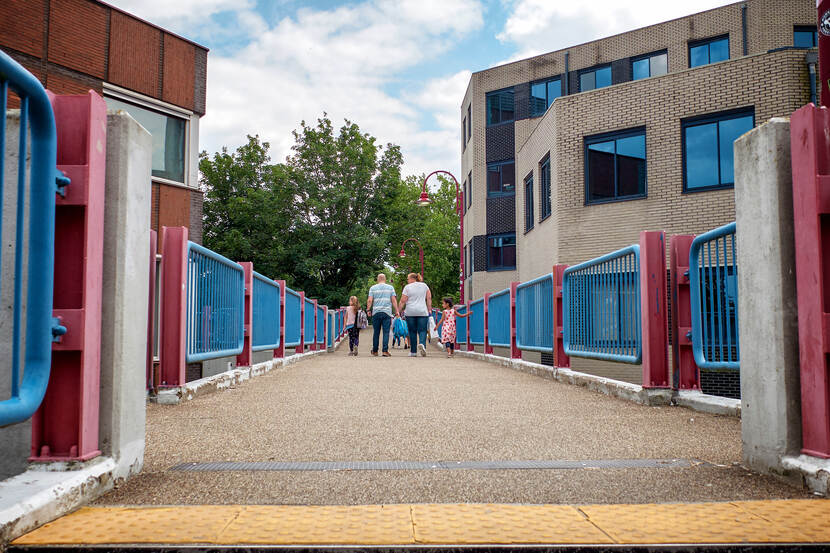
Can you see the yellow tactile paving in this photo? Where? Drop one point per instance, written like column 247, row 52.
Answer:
column 783, row 521
column 502, row 524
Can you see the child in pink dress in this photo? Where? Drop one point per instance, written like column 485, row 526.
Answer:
column 448, row 330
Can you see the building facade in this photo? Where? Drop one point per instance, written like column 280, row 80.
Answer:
column 159, row 78
column 569, row 155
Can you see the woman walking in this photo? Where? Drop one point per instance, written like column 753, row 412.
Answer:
column 416, row 301
column 351, row 324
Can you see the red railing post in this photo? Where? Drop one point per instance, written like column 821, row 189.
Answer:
column 470, row 346
column 811, row 224
column 560, row 359
column 301, row 347
column 173, row 312
column 151, row 308
column 653, row 309
column 313, row 346
column 65, row 427
column 279, row 351
column 685, row 370
column 488, row 349
column 515, row 352
column 245, row 359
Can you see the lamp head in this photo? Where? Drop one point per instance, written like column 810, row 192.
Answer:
column 424, row 199
column 402, row 253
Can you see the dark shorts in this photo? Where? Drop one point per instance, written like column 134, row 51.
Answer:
column 450, row 345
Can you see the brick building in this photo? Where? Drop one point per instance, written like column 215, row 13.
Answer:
column 73, row 46
column 569, row 155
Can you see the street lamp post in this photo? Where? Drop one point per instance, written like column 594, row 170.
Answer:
column 425, row 200
column 420, row 253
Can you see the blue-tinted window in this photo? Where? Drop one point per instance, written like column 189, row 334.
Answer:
column 501, row 252
column 542, row 95
column 708, row 160
column 529, row 220
column 595, row 78
column 501, row 178
column 650, row 65
column 544, row 188
column 615, row 166
column 500, row 106
column 708, row 51
column 805, row 37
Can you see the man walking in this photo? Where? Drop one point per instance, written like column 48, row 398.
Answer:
column 381, row 300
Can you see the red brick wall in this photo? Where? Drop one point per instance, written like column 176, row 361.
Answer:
column 78, row 36
column 134, row 54
column 179, row 60
column 22, row 25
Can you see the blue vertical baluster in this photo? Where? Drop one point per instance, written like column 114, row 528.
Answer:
column 18, row 251
column 720, row 288
column 708, row 320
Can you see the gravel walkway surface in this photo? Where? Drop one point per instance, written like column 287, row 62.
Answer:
column 341, row 408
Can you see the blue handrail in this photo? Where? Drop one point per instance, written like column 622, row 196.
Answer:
column 713, row 282
column 266, row 314
column 461, row 327
column 601, row 307
column 534, row 314
column 38, row 121
column 477, row 322
column 292, row 318
column 215, row 305
column 310, row 331
column 498, row 319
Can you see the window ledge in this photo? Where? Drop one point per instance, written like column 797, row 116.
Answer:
column 500, row 269
column 708, row 188
column 616, row 200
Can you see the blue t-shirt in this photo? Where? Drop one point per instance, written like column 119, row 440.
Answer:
column 382, row 295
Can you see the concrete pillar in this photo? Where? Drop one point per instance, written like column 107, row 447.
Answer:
column 767, row 309
column 125, row 292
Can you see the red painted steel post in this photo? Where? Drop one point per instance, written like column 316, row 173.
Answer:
column 65, row 427
column 151, row 308
column 173, row 312
column 313, row 346
column 560, row 359
column 823, row 12
column 488, row 349
column 685, row 371
column 279, row 351
column 809, row 128
column 653, row 309
column 301, row 347
column 515, row 352
column 245, row 359
column 470, row 346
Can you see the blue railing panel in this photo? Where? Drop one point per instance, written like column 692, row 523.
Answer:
column 601, row 307
column 713, row 282
column 461, row 327
column 266, row 314
column 38, row 122
column 330, row 331
column 321, row 325
column 293, row 317
column 534, row 314
column 498, row 319
column 309, row 334
column 477, row 322
column 215, row 305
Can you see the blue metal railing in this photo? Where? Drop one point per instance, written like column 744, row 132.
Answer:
column 330, row 331
column 461, row 327
column 38, row 121
column 713, row 282
column 477, row 322
column 309, row 334
column 266, row 314
column 534, row 314
column 215, row 305
column 498, row 319
column 292, row 318
column 321, row 325
column 601, row 307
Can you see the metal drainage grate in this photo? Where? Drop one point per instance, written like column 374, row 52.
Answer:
column 438, row 465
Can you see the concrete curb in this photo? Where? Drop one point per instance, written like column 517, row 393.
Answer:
column 705, row 403
column 814, row 472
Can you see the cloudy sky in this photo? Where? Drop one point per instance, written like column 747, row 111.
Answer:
column 398, row 68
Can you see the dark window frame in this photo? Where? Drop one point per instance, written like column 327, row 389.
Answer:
column 470, row 121
column 464, row 196
column 594, row 69
column 605, row 137
column 500, row 267
column 805, row 29
column 530, row 220
column 708, row 41
column 548, row 102
column 464, row 134
column 545, row 207
column 470, row 195
column 502, row 193
column 704, row 120
column 648, row 57
column 487, row 106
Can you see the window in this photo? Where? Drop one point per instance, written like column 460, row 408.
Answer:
column 463, row 134
column 544, row 188
column 470, row 184
column 501, row 179
column 169, row 138
column 500, row 106
column 708, row 51
column 466, row 267
column 471, row 268
column 650, row 65
column 469, row 122
column 464, row 199
column 707, row 149
column 615, row 166
column 595, row 78
column 529, row 221
column 501, row 252
column 805, row 36
column 542, row 95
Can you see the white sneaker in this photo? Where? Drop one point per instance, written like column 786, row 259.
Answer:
column 413, row 354
column 422, row 350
